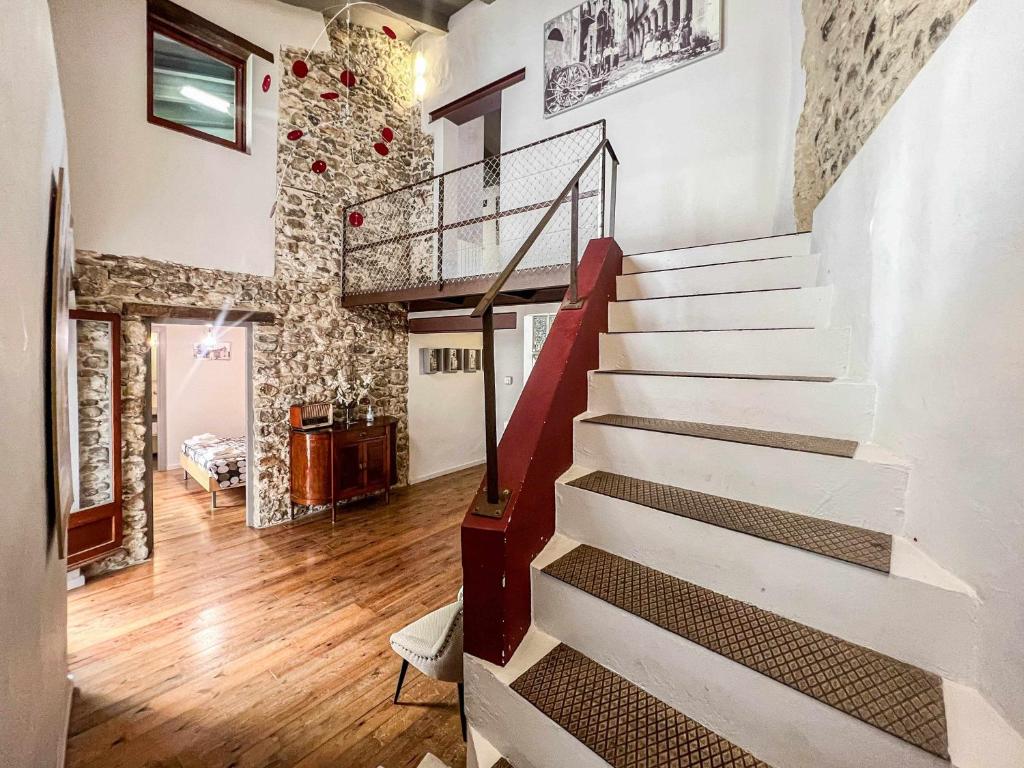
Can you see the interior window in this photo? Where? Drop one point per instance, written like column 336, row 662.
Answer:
column 198, row 79
column 537, row 328
column 195, row 90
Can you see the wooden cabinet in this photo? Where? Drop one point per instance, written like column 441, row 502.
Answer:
column 344, row 462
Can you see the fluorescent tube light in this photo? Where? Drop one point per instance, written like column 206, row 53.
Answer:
column 206, row 99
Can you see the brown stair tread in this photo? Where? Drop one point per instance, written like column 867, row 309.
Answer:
column 870, row 549
column 620, row 722
column 503, row 763
column 828, row 446
column 696, row 375
column 896, row 697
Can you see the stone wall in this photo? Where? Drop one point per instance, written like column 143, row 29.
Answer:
column 859, row 56
column 95, row 481
column 314, row 339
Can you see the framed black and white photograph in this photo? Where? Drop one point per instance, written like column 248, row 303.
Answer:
column 452, row 359
column 602, row 46
column 218, row 350
column 470, row 360
column 431, row 361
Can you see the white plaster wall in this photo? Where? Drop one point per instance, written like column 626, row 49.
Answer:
column 143, row 190
column 923, row 236
column 201, row 395
column 706, row 150
column 33, row 614
column 446, row 411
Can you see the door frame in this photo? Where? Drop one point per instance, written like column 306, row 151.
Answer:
column 199, row 317
column 115, row 507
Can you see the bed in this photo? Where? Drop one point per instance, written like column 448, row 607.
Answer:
column 216, row 463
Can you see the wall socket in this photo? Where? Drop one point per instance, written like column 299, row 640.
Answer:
column 508, row 379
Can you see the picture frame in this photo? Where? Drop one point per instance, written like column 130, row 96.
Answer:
column 431, row 361
column 452, row 357
column 600, row 47
column 61, row 490
column 218, row 350
column 471, row 360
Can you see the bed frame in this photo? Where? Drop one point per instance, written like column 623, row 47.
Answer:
column 201, row 476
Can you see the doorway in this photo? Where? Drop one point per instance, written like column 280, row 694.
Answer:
column 200, row 436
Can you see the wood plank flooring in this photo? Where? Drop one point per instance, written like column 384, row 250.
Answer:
column 265, row 649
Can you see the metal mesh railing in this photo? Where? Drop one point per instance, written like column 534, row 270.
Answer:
column 467, row 224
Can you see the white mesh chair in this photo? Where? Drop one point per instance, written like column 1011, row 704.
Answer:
column 433, row 644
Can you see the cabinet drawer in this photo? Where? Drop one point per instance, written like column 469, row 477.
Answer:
column 363, row 433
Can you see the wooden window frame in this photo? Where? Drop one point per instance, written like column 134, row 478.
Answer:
column 156, row 25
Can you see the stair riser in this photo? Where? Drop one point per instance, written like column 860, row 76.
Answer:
column 779, row 725
column 807, row 353
column 805, row 308
column 910, row 620
column 796, row 272
column 859, row 493
column 744, row 250
column 516, row 728
column 836, row 409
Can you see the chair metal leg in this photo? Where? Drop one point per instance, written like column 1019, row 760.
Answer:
column 462, row 709
column 401, row 678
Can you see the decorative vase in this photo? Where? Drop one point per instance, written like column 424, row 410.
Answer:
column 369, row 414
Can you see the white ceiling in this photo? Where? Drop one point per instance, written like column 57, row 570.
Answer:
column 424, row 15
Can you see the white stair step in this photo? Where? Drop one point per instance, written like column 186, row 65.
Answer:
column 780, row 353
column 899, row 614
column 831, row 409
column 797, row 308
column 741, row 250
column 780, row 725
column 859, row 492
column 763, row 275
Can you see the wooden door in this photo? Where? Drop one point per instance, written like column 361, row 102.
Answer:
column 348, row 469
column 96, row 525
column 376, row 460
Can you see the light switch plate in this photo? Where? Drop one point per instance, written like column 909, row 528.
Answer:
column 508, row 379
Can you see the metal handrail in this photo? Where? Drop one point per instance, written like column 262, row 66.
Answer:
column 572, row 187
column 492, row 502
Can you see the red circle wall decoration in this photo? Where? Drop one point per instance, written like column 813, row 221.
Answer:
column 295, row 135
column 318, row 167
column 266, row 83
column 390, row 32
column 382, row 148
column 387, row 134
column 330, row 95
column 300, row 69
column 355, row 219
column 348, row 78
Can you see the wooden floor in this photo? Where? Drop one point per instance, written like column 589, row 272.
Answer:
column 238, row 647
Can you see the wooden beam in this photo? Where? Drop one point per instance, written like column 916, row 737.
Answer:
column 479, row 102
column 211, row 314
column 545, row 281
column 505, row 321
column 193, row 24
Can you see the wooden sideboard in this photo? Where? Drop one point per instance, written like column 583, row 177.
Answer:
column 344, row 462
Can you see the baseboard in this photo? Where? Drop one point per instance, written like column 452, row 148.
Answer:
column 62, row 746
column 413, row 480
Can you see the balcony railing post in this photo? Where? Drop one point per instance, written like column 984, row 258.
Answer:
column 490, row 408
column 440, row 232
column 614, row 187
column 572, row 300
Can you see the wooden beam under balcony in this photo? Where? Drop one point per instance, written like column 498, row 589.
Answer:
column 529, row 287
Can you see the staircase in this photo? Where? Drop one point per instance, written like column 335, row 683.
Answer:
column 729, row 584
